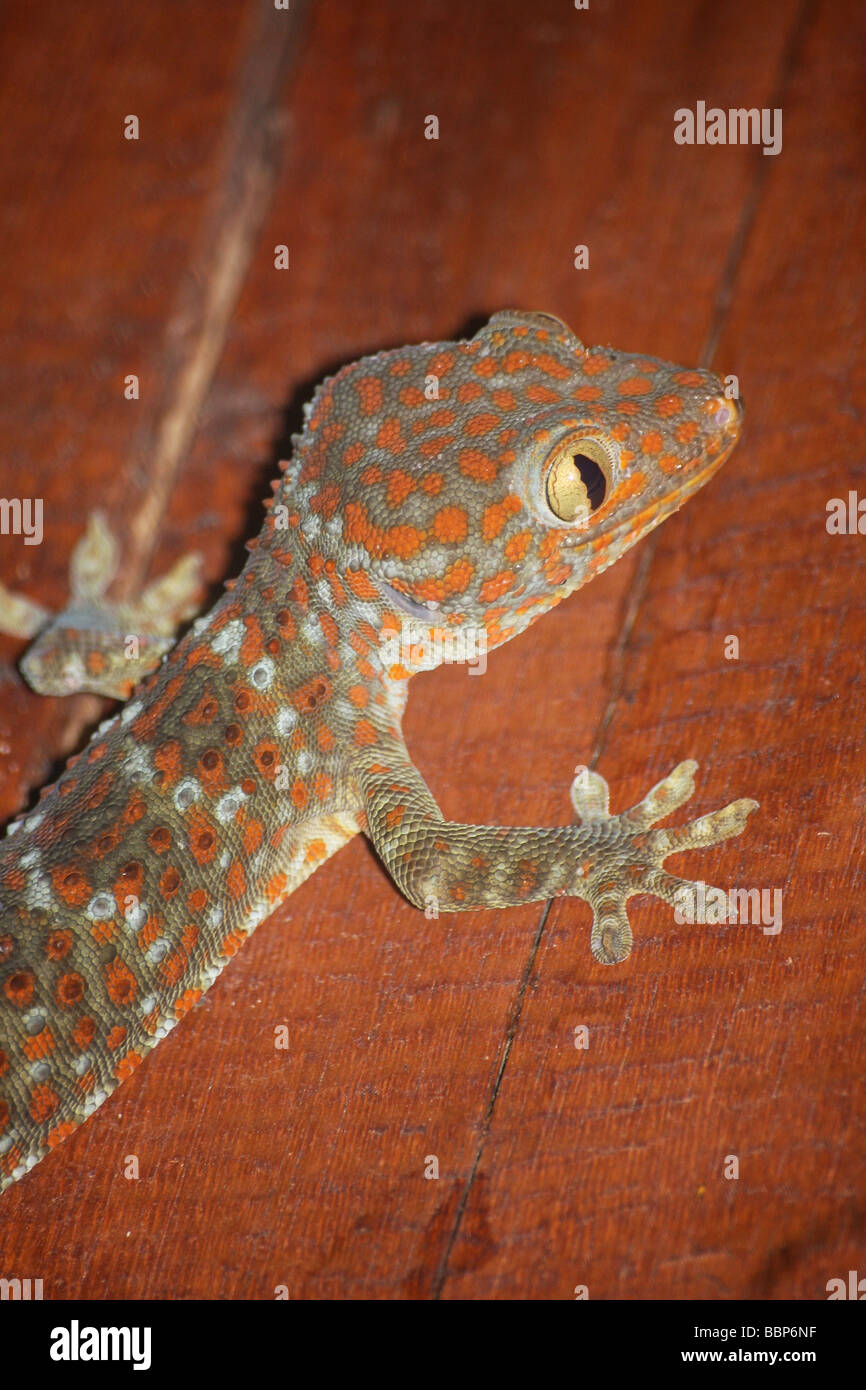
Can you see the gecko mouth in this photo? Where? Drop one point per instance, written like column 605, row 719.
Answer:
column 655, row 513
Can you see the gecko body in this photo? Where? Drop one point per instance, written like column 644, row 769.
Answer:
column 450, row 488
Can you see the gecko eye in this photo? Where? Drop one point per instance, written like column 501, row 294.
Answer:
column 577, row 479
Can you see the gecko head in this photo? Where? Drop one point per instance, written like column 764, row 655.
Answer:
column 479, row 483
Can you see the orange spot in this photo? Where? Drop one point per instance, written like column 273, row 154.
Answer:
column 370, row 394
column 400, row 485
column 187, row 1001
column 84, row 1032
column 120, row 982
column 634, row 386
column 541, row 395
column 477, row 465
column 496, row 515
column 481, row 424
column 450, row 524
column 390, row 436
column 19, row 988
column 365, row 734
column 458, row 576
column 326, row 501
column 311, row 695
column 42, row 1044
column 205, row 710
column 253, row 836
column 43, row 1103
column 323, row 787
column 168, row 761
column 236, row 880
column 201, row 836
column 159, row 839
column 517, row 546
column 70, row 989
column 496, row 586
column 70, row 885
column 58, row 945
column 361, row 584
column 411, row 396
column 127, row 1065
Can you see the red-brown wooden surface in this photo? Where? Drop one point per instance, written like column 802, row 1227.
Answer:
column 558, row 1167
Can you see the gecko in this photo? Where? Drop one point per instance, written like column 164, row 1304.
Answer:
column 447, row 489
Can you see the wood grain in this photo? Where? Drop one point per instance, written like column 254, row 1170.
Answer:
column 558, row 1167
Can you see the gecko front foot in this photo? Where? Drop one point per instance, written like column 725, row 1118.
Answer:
column 629, row 855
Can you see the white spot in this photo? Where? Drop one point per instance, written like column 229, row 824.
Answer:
column 185, row 793
column 312, row 631
column 33, row 822
column 262, row 674
column 81, row 1064
column 229, row 640
column 158, row 950
column 305, row 761
column 93, row 1101
column 131, row 711
column 287, row 718
column 39, row 892
column 228, row 806
column 135, row 916
column 137, row 763
column 148, row 1004
column 100, row 908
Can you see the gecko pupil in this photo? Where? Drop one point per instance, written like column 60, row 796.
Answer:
column 592, row 478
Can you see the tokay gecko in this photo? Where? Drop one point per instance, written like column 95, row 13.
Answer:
column 448, row 489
